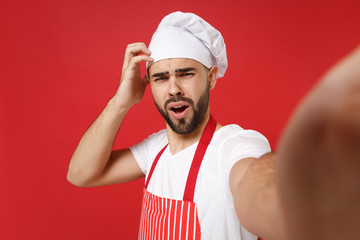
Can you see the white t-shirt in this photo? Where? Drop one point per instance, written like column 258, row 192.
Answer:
column 213, row 198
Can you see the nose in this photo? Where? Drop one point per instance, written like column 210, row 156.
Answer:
column 174, row 87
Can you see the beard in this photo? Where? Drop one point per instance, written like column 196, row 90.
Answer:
column 182, row 126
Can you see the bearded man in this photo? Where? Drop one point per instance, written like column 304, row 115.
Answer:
column 202, row 180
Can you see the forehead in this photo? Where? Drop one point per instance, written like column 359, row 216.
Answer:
column 170, row 65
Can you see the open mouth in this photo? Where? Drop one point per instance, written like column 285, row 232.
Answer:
column 179, row 109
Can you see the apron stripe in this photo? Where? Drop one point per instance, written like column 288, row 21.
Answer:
column 182, row 217
column 148, row 217
column 156, row 215
column 141, row 217
column 184, row 220
column 152, row 226
column 191, row 222
column 162, row 219
column 173, row 218
column 164, row 227
column 198, row 233
column 178, row 220
column 187, row 221
column 148, row 223
column 181, row 226
column 145, row 214
column 167, row 221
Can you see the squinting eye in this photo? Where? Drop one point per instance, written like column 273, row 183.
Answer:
column 159, row 79
column 186, row 74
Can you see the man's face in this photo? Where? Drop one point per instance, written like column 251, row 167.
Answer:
column 180, row 88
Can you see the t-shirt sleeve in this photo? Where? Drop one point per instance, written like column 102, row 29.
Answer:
column 244, row 144
column 249, row 143
column 145, row 151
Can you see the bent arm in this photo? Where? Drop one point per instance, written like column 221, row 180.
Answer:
column 93, row 162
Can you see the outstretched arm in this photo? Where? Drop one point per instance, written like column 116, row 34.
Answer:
column 93, row 162
column 311, row 191
column 318, row 163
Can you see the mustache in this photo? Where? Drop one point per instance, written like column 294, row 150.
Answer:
column 178, row 99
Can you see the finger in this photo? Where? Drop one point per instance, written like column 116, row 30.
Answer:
column 134, row 61
column 135, row 49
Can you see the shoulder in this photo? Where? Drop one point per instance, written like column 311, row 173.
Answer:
column 240, row 143
column 145, row 151
column 158, row 137
column 234, row 134
column 155, row 140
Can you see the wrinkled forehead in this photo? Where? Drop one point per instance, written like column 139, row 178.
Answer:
column 172, row 65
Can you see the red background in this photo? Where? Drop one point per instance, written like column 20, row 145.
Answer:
column 61, row 62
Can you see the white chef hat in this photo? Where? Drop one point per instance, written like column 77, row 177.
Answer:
column 186, row 35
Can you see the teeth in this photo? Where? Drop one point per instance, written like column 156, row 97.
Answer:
column 178, row 107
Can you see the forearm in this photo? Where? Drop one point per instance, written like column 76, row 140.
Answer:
column 256, row 199
column 94, row 149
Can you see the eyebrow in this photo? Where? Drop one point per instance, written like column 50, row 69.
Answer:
column 179, row 70
column 183, row 70
column 160, row 74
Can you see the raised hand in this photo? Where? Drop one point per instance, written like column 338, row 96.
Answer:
column 132, row 84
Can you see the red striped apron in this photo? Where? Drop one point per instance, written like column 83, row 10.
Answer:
column 164, row 218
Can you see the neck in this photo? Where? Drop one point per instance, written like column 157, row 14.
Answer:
column 178, row 142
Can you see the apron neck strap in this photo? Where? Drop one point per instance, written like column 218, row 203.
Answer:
column 154, row 165
column 195, row 165
column 198, row 157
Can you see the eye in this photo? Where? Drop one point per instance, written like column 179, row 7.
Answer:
column 160, row 78
column 187, row 74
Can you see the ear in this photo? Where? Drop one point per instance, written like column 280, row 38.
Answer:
column 213, row 73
